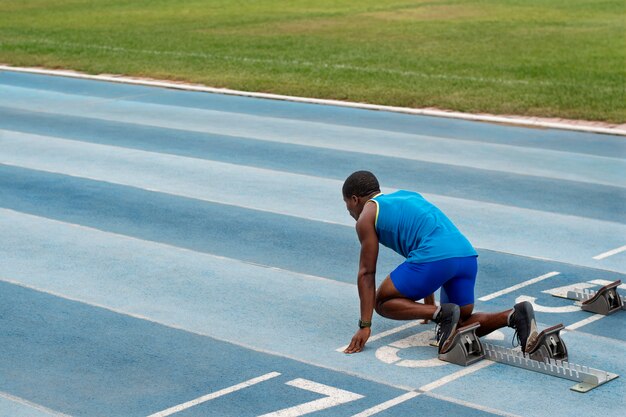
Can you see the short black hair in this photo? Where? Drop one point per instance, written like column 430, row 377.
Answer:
column 360, row 184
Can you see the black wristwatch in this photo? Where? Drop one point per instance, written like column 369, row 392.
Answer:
column 364, row 324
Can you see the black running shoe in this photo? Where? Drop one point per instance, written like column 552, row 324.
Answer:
column 446, row 320
column 523, row 321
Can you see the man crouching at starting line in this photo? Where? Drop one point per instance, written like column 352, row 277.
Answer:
column 437, row 256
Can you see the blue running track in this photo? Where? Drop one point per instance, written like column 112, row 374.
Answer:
column 167, row 252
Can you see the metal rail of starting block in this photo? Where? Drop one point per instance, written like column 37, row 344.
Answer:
column 548, row 357
column 604, row 301
column 587, row 378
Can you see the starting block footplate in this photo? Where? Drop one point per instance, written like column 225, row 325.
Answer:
column 466, row 347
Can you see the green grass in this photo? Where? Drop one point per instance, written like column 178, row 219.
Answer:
column 549, row 58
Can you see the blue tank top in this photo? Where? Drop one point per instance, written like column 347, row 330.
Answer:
column 417, row 230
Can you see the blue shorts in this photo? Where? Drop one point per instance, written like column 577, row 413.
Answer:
column 455, row 276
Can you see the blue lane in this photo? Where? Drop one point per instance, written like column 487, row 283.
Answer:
column 602, row 202
column 592, row 144
column 86, row 361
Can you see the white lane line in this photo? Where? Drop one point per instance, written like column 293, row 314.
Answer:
column 423, row 389
column 334, row 397
column 386, row 333
column 518, row 286
column 388, row 404
column 27, row 403
column 459, row 374
column 214, row 395
column 584, row 322
column 610, row 253
column 470, row 405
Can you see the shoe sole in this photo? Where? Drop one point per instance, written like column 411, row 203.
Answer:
column 533, row 337
column 446, row 344
column 533, row 334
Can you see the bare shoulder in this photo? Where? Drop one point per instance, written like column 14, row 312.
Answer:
column 367, row 219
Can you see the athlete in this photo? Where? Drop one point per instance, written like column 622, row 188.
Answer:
column 437, row 256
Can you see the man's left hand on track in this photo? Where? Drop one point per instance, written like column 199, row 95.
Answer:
column 358, row 340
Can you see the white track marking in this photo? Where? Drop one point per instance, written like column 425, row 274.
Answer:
column 610, row 253
column 518, row 286
column 544, row 309
column 584, row 322
column 428, row 387
column 471, row 405
column 386, row 333
column 459, row 374
column 334, row 397
column 425, row 112
column 389, row 354
column 32, row 405
column 214, row 395
column 562, row 291
column 388, row 404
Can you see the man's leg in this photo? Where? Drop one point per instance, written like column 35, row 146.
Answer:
column 488, row 321
column 390, row 303
column 460, row 290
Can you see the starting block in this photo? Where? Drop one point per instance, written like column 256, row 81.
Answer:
column 606, row 301
column 549, row 345
column 548, row 357
column 466, row 348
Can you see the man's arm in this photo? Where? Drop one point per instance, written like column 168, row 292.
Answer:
column 366, row 281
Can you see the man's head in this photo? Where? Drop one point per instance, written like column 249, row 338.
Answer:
column 357, row 190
